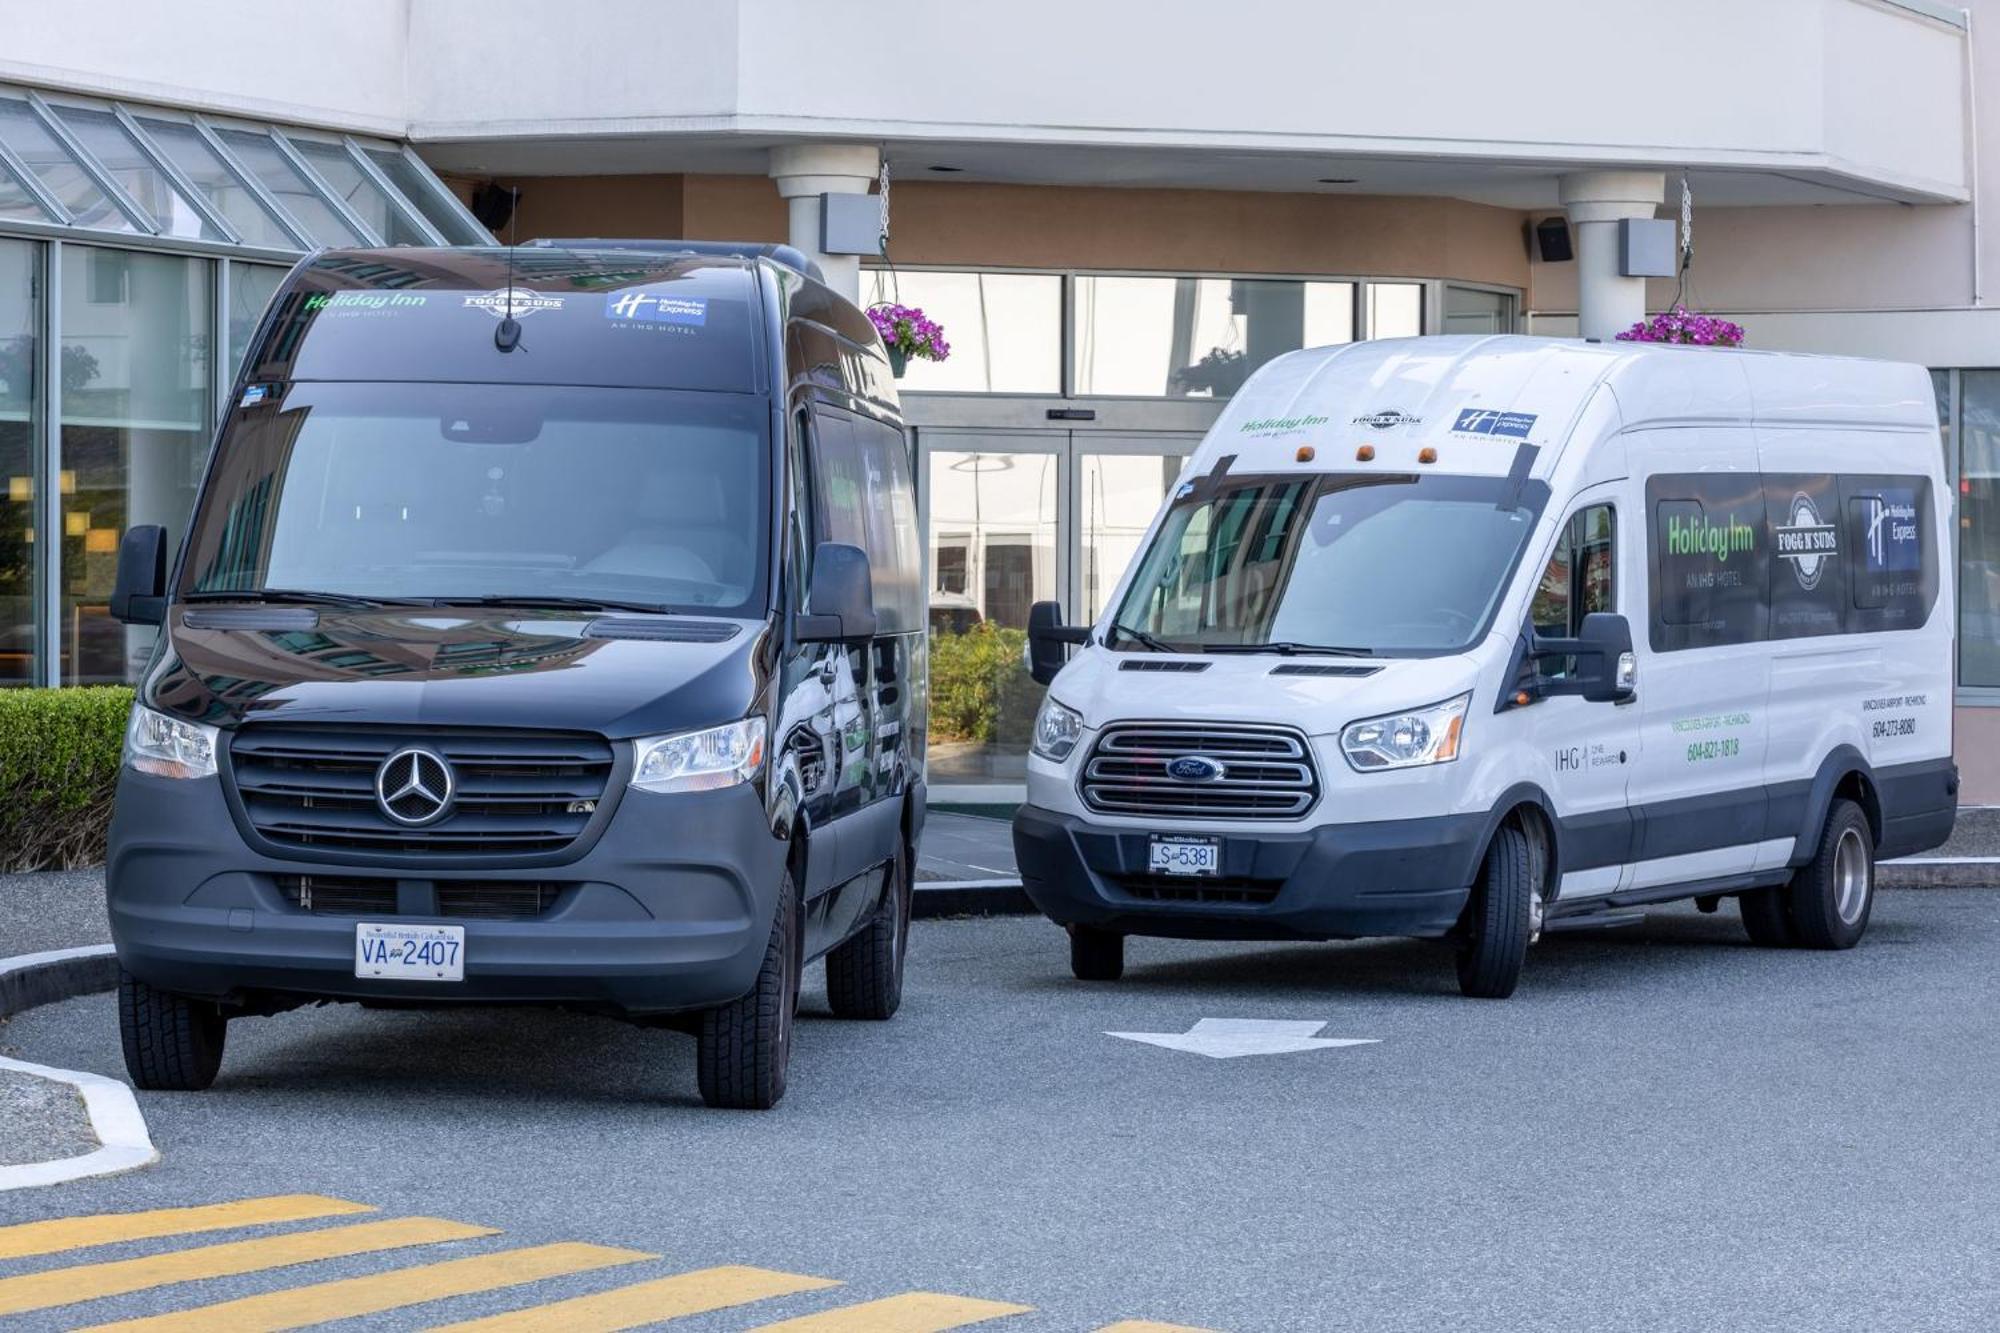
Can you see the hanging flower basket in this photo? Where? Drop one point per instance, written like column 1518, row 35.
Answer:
column 1682, row 325
column 908, row 332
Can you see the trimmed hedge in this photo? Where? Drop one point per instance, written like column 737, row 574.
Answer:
column 59, row 754
column 979, row 689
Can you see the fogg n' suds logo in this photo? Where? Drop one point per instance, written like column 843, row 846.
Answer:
column 1806, row 542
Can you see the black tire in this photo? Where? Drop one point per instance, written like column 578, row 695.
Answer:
column 1767, row 918
column 864, row 975
column 173, row 1043
column 1493, row 941
column 1096, row 955
column 743, row 1048
column 1832, row 895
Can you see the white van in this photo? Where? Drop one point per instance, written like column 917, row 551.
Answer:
column 1469, row 638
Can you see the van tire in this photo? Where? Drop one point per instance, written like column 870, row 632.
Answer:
column 1832, row 895
column 1096, row 955
column 1767, row 918
column 743, row 1048
column 173, row 1043
column 864, row 974
column 1493, row 943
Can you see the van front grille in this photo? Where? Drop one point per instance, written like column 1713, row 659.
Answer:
column 352, row 895
column 1198, row 889
column 514, row 793
column 1266, row 772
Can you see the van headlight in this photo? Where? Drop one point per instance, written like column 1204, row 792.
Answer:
column 1406, row 740
column 1057, row 729
column 167, row 747
column 700, row 760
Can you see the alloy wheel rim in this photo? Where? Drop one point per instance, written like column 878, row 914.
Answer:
column 1850, row 876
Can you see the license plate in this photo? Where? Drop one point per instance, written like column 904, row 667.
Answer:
column 409, row 953
column 1185, row 856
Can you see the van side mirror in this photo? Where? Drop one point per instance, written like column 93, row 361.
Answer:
column 139, row 597
column 1606, row 671
column 1049, row 640
column 840, row 607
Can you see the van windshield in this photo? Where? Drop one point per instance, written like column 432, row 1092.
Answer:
column 1377, row 565
column 502, row 492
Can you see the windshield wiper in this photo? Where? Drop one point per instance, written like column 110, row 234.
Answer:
column 1140, row 637
column 1288, row 649
column 547, row 599
column 300, row 596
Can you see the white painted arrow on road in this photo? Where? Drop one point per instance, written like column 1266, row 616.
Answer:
column 1227, row 1038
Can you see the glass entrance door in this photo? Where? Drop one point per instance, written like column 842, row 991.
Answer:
column 1015, row 517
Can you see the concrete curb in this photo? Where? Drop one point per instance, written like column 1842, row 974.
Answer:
column 1939, row 872
column 123, row 1143
column 969, row 897
column 59, row 974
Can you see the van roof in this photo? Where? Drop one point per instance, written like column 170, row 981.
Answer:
column 1476, row 399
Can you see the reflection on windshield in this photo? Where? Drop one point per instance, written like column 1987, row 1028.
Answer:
column 1382, row 564
column 437, row 491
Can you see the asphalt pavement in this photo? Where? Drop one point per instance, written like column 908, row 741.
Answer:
column 1664, row 1129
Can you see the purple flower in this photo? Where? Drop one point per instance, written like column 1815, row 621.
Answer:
column 909, row 330
column 1681, row 325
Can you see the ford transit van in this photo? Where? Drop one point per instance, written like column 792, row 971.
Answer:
column 549, row 629
column 1474, row 638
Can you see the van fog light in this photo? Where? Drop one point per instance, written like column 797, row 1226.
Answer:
column 167, row 747
column 699, row 760
column 1406, row 740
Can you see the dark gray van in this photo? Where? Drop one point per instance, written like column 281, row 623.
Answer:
column 549, row 629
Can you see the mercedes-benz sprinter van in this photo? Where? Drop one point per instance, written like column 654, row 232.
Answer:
column 549, row 629
column 1469, row 638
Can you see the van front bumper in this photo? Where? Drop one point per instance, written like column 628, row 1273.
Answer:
column 669, row 909
column 1338, row 881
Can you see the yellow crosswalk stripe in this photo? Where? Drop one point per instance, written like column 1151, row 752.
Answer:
column 647, row 1302
column 84, row 1282
column 76, row 1233
column 912, row 1312
column 1148, row 1326
column 347, row 1298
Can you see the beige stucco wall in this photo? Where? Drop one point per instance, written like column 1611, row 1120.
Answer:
column 1021, row 226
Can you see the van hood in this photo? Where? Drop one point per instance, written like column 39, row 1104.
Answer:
column 617, row 675
column 1106, row 687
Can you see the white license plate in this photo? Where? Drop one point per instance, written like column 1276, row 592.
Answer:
column 409, row 953
column 1185, row 856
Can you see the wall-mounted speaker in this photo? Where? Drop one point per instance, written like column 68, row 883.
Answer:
column 493, row 205
column 1550, row 241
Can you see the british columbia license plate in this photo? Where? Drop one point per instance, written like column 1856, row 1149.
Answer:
column 1184, row 856
column 409, row 953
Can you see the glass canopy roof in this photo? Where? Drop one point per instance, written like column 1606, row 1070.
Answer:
column 149, row 171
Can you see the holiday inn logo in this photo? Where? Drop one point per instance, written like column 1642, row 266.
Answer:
column 1718, row 541
column 1267, row 425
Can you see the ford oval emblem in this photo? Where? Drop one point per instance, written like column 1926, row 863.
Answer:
column 1195, row 768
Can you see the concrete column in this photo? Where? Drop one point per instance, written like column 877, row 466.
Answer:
column 1607, row 303
column 804, row 172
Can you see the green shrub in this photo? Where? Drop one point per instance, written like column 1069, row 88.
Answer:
column 58, row 764
column 979, row 690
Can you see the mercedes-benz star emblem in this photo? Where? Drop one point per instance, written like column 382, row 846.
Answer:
column 414, row 786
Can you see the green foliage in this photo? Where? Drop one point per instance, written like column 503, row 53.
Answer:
column 979, row 689
column 58, row 765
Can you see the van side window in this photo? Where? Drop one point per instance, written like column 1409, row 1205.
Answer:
column 1710, row 561
column 865, row 498
column 1580, row 576
column 801, row 519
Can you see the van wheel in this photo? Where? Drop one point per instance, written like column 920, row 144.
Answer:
column 1832, row 894
column 1096, row 955
column 1766, row 919
column 1499, row 919
column 173, row 1043
column 744, row 1047
column 864, row 975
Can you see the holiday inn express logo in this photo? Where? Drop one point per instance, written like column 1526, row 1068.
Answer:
column 1698, row 536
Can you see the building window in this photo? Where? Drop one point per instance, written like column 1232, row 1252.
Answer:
column 1395, row 309
column 1195, row 337
column 1005, row 329
column 1979, row 528
column 20, row 316
column 1475, row 310
column 135, row 427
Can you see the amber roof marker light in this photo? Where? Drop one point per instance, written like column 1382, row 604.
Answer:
column 1427, row 455
column 1305, row 454
column 1365, row 454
